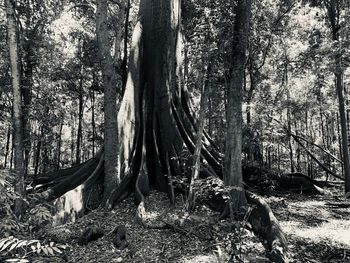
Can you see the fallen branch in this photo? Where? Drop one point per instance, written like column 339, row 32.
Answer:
column 315, row 159
column 296, row 138
column 319, row 147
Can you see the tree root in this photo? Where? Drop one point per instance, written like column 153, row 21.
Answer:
column 265, row 224
column 72, row 181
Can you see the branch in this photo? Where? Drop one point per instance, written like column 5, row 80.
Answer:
column 271, row 33
column 315, row 159
column 322, row 149
column 295, row 137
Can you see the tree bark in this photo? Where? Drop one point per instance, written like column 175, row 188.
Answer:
column 343, row 121
column 333, row 8
column 110, row 97
column 290, row 143
column 59, row 145
column 124, row 65
column 315, row 159
column 93, row 122
column 155, row 120
column 17, row 106
column 37, row 154
column 233, row 147
column 7, row 149
column 80, row 110
column 197, row 153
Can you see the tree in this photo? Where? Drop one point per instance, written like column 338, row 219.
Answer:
column 17, row 105
column 156, row 123
column 110, row 98
column 334, row 16
column 233, row 147
column 197, row 152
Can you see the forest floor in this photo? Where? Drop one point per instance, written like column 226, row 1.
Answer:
column 317, row 228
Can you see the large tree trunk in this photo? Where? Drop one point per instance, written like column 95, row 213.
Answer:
column 110, row 97
column 155, row 121
column 233, row 147
column 17, row 106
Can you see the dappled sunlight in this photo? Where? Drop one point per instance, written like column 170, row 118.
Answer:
column 62, row 28
column 200, row 258
column 337, row 231
column 69, row 206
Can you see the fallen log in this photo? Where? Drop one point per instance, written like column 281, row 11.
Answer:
column 315, row 159
column 298, row 183
column 262, row 220
column 265, row 224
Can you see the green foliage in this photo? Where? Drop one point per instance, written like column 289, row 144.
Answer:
column 40, row 215
column 15, row 248
column 11, row 245
column 8, row 221
column 211, row 186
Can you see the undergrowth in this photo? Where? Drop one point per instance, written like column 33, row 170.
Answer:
column 17, row 234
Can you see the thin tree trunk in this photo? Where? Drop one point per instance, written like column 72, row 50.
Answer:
column 93, row 123
column 315, row 159
column 110, row 97
column 319, row 147
column 27, row 83
column 80, row 116
column 289, row 123
column 59, row 145
column 297, row 151
column 17, row 106
column 45, row 157
column 7, row 149
column 37, row 153
column 72, row 145
column 344, row 133
column 278, row 158
column 119, row 38
column 333, row 8
column 80, row 128
column 12, row 153
column 322, row 129
column 124, row 65
column 252, row 87
column 197, row 153
column 268, row 149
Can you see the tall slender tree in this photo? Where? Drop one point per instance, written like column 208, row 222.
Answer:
column 233, row 147
column 110, row 97
column 17, row 105
column 334, row 18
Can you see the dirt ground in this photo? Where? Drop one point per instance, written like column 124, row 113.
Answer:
column 317, row 228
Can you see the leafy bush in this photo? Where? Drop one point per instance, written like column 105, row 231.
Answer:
column 10, row 245
column 8, row 222
column 40, row 215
